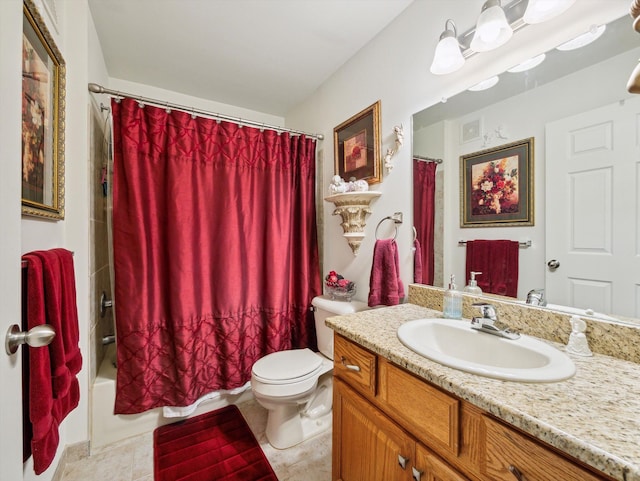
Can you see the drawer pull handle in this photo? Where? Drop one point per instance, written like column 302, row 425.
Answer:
column 402, row 461
column 416, row 474
column 516, row 473
column 351, row 367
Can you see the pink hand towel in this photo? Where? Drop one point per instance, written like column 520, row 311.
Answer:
column 385, row 285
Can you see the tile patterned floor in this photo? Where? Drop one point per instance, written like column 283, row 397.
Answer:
column 132, row 459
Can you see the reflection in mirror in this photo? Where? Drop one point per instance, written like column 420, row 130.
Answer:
column 576, row 106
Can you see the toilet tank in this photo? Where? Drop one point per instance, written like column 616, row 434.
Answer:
column 327, row 307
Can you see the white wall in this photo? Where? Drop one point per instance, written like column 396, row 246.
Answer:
column 394, row 68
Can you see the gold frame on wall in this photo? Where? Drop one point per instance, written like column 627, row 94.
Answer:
column 43, row 117
column 356, row 145
column 496, row 186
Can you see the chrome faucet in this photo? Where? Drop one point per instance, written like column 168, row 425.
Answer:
column 535, row 297
column 489, row 322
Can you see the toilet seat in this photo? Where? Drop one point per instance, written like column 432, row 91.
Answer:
column 287, row 367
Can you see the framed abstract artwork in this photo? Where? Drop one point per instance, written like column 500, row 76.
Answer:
column 357, row 146
column 43, row 107
column 497, row 186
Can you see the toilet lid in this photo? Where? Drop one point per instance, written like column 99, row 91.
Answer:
column 284, row 366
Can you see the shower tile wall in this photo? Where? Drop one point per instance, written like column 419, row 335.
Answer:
column 100, row 272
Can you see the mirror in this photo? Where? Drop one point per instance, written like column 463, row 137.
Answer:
column 532, row 104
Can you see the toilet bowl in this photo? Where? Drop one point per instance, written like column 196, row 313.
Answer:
column 296, row 386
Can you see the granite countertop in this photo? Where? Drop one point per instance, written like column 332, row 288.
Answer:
column 594, row 416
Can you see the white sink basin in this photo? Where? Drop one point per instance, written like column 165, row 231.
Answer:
column 453, row 343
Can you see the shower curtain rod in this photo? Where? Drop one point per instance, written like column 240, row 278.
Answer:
column 427, row 159
column 99, row 89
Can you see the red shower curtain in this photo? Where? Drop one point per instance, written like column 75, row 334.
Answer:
column 424, row 189
column 215, row 252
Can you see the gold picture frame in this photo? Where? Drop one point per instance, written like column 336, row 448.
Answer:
column 43, row 112
column 357, row 146
column 497, row 186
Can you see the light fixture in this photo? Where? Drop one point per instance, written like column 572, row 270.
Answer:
column 492, row 29
column 585, row 39
column 485, row 84
column 448, row 57
column 528, row 64
column 539, row 11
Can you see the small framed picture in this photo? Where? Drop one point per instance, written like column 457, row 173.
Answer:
column 497, row 186
column 43, row 102
column 357, row 146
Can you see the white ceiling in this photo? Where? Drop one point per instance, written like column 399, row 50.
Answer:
column 263, row 55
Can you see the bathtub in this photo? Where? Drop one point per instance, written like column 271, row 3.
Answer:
column 107, row 428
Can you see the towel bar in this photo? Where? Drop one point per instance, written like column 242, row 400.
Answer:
column 523, row 244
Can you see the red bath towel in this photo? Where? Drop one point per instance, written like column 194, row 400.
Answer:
column 498, row 262
column 385, row 286
column 53, row 386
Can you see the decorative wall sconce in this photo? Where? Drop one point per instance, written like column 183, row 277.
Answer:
column 495, row 26
column 353, row 208
column 398, row 130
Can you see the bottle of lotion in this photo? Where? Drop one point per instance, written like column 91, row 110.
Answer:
column 452, row 301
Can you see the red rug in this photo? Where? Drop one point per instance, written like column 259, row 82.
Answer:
column 216, row 446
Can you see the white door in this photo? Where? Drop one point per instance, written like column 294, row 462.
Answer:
column 592, row 229
column 10, row 155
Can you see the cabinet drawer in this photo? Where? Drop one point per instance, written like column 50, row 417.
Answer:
column 355, row 365
column 506, row 449
column 432, row 415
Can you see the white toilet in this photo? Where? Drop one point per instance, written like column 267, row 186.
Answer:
column 295, row 386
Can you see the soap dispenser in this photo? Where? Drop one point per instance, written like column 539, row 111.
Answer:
column 452, row 301
column 472, row 287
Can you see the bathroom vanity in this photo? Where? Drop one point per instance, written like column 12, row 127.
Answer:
column 400, row 416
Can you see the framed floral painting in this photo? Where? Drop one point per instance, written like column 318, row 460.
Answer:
column 43, row 102
column 357, row 146
column 497, row 186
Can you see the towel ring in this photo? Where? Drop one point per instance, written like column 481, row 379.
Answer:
column 396, row 218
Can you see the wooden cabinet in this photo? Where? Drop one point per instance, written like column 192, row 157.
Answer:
column 432, row 468
column 367, row 446
column 389, row 425
column 509, row 452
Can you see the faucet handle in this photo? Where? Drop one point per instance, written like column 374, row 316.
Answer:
column 488, row 310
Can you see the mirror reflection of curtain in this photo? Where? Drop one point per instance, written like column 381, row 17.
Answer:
column 424, row 188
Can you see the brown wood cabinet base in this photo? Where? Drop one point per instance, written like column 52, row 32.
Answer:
column 390, row 425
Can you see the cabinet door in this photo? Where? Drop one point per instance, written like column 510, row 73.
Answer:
column 429, row 467
column 367, row 446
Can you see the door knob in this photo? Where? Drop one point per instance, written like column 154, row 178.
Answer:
column 553, row 264
column 35, row 337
